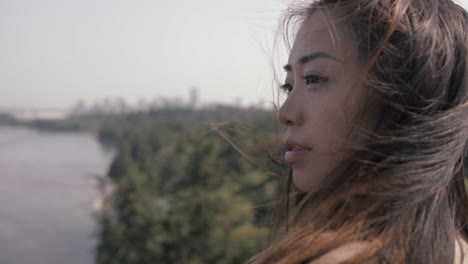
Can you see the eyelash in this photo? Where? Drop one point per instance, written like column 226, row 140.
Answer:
column 288, row 87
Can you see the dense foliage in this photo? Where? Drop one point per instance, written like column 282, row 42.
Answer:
column 185, row 194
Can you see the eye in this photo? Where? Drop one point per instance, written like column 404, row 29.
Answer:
column 314, row 78
column 310, row 79
column 287, row 88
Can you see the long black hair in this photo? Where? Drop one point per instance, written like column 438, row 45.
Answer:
column 403, row 190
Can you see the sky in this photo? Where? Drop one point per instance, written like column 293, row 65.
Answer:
column 57, row 52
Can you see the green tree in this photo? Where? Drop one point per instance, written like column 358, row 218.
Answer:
column 185, row 195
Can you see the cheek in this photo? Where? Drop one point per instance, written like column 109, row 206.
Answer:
column 339, row 113
column 332, row 126
column 309, row 175
column 330, row 134
column 328, row 127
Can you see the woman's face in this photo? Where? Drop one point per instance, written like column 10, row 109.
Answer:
column 323, row 66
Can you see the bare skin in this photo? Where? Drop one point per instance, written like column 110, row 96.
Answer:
column 347, row 251
column 321, row 103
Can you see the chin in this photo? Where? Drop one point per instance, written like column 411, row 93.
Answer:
column 303, row 181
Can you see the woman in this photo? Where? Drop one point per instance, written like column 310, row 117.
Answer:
column 377, row 126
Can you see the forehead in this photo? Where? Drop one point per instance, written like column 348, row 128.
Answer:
column 323, row 32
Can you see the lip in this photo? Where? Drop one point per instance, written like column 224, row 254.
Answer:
column 291, row 155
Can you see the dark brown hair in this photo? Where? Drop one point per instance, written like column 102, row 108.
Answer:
column 404, row 190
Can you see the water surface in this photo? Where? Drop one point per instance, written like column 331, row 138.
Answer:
column 46, row 190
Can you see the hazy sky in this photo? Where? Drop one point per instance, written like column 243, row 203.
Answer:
column 56, row 52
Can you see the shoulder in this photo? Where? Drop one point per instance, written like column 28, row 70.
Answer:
column 343, row 253
column 351, row 249
column 461, row 250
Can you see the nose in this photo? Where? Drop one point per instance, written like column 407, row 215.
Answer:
column 289, row 113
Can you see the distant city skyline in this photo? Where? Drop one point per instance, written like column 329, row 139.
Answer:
column 191, row 98
column 58, row 52
column 119, row 105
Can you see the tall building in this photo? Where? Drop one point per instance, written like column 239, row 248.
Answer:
column 193, row 98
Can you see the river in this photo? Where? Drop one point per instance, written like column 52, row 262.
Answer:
column 46, row 191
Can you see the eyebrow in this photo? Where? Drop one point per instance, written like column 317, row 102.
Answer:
column 305, row 59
